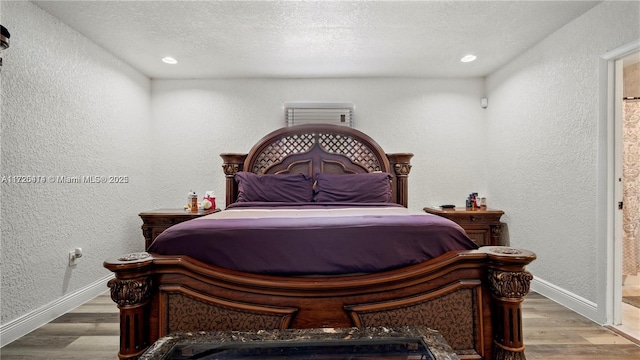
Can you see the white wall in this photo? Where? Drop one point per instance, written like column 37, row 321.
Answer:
column 543, row 125
column 440, row 121
column 71, row 109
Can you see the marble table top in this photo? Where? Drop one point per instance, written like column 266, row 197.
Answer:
column 432, row 338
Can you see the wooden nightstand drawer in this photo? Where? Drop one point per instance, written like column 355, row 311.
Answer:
column 482, row 226
column 154, row 222
column 480, row 237
column 473, row 219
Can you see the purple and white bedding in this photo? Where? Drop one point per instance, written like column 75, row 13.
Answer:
column 313, row 238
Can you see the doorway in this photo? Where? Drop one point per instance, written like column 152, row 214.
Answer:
column 627, row 231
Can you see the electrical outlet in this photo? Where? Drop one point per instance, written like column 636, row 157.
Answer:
column 74, row 256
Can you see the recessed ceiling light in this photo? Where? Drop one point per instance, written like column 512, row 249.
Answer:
column 468, row 58
column 169, row 60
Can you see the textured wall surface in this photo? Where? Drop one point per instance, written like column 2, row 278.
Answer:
column 69, row 109
column 543, row 126
column 440, row 121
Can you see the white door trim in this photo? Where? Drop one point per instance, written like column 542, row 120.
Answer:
column 609, row 250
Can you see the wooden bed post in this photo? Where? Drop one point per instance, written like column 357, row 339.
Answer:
column 401, row 165
column 509, row 283
column 231, row 164
column 132, row 293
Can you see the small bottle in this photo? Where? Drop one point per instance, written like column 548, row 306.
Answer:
column 483, row 203
column 192, row 201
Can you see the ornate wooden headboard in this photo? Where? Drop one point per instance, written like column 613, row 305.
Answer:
column 318, row 148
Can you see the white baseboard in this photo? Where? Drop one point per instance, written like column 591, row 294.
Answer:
column 25, row 324
column 565, row 298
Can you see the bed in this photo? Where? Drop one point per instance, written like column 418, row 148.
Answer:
column 360, row 263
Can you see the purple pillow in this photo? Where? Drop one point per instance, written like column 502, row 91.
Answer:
column 363, row 188
column 274, row 188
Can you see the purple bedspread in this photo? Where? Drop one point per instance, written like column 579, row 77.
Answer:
column 314, row 245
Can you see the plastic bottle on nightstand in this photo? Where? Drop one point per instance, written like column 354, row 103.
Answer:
column 192, row 201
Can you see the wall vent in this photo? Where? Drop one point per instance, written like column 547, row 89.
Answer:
column 319, row 113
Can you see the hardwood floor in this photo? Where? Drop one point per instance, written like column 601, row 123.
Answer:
column 551, row 332
column 89, row 332
column 630, row 314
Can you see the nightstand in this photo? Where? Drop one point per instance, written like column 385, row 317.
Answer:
column 154, row 222
column 482, row 226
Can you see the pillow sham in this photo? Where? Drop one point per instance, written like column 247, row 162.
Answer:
column 364, row 188
column 274, row 188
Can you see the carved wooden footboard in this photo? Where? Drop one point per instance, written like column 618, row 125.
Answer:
column 472, row 297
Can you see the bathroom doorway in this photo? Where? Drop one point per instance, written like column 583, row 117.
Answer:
column 628, row 226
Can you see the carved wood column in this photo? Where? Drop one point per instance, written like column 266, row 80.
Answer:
column 509, row 283
column 401, row 164
column 133, row 296
column 231, row 164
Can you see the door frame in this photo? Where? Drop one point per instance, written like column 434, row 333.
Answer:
column 609, row 176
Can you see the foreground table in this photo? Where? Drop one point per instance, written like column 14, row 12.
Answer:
column 325, row 343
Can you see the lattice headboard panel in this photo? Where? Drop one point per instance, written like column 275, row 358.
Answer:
column 352, row 148
column 318, row 148
column 347, row 146
column 277, row 151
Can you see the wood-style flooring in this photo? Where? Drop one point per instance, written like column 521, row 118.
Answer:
column 551, row 332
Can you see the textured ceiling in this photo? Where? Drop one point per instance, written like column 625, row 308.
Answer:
column 214, row 39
